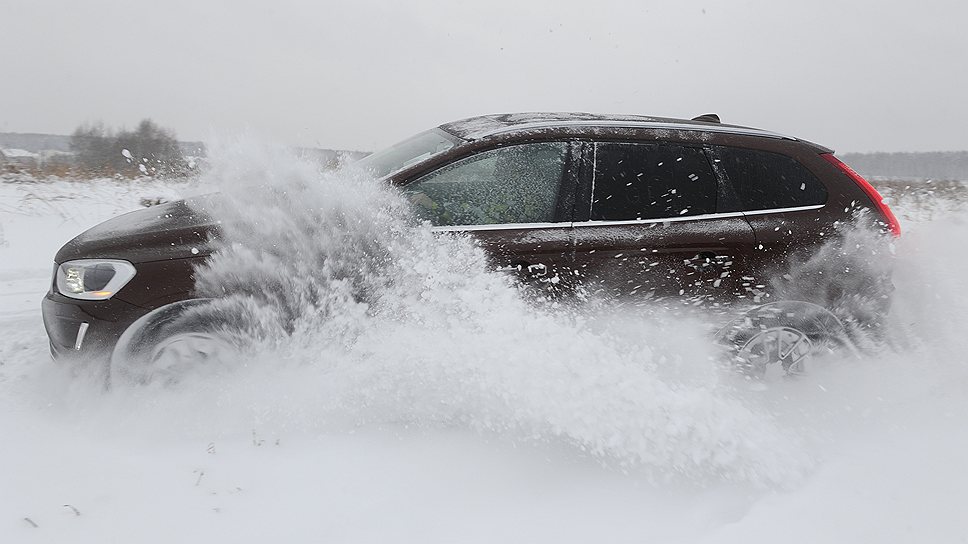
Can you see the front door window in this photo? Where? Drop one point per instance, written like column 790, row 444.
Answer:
column 506, row 185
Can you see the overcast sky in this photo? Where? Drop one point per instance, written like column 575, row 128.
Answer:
column 855, row 76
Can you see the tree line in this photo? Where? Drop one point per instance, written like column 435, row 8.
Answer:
column 949, row 165
column 147, row 150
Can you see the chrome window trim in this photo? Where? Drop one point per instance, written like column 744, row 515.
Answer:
column 629, row 124
column 591, row 199
column 785, row 210
column 701, row 217
column 502, row 226
column 593, row 223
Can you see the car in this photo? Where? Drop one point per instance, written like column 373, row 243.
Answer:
column 695, row 213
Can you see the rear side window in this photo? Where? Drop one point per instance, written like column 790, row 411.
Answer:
column 764, row 180
column 651, row 181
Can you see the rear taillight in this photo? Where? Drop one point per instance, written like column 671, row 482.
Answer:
column 892, row 223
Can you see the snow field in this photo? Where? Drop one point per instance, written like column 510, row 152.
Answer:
column 443, row 408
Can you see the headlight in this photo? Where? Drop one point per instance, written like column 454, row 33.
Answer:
column 93, row 279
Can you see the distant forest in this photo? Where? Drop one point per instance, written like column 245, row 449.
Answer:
column 94, row 150
column 939, row 165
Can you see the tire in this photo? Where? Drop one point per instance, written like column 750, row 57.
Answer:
column 166, row 344
column 781, row 338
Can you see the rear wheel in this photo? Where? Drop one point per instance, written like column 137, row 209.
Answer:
column 781, row 338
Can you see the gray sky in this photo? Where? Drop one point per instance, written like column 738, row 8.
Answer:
column 855, row 76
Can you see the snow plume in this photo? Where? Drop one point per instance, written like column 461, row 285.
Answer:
column 363, row 316
column 850, row 275
column 930, row 305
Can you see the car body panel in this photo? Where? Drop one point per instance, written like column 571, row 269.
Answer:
column 530, row 252
column 692, row 258
column 175, row 230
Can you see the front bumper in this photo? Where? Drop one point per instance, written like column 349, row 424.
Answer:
column 85, row 328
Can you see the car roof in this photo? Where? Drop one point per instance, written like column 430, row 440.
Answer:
column 475, row 128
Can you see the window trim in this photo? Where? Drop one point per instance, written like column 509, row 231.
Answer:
column 701, row 217
column 503, row 226
column 786, row 210
column 726, row 198
column 597, row 223
column 594, row 171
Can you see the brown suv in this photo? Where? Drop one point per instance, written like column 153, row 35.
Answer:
column 694, row 212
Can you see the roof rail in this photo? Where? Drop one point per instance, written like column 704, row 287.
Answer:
column 665, row 125
column 708, row 118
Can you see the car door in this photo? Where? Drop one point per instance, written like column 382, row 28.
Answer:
column 784, row 203
column 650, row 224
column 516, row 200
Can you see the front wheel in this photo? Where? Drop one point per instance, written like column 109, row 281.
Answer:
column 169, row 342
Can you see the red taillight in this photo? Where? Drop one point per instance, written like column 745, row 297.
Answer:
column 892, row 223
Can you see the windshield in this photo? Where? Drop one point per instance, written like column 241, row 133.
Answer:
column 412, row 150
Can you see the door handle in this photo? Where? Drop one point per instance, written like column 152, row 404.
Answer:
column 706, row 259
column 537, row 269
column 708, row 256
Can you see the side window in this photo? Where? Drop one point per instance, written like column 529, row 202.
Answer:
column 764, row 180
column 514, row 184
column 651, row 181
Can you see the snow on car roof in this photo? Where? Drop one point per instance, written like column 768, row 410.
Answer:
column 474, row 128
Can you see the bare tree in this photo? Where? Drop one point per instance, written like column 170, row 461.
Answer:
column 148, row 150
column 91, row 145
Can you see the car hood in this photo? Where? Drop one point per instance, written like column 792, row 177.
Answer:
column 175, row 230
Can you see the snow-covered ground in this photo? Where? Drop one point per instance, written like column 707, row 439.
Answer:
column 486, row 421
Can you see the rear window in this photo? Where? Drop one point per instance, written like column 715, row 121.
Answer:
column 651, row 181
column 764, row 180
